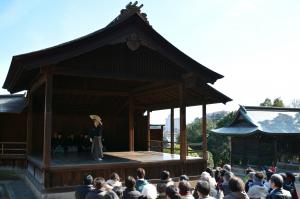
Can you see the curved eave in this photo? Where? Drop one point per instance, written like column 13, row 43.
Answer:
column 235, row 131
column 55, row 54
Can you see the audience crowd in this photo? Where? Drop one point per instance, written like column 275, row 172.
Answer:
column 212, row 184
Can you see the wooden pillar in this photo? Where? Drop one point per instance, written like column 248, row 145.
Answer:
column 148, row 132
column 162, row 141
column 204, row 137
column 172, row 130
column 275, row 157
column 48, row 120
column 131, row 124
column 29, row 126
column 183, row 138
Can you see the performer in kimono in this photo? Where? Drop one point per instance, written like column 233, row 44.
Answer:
column 95, row 134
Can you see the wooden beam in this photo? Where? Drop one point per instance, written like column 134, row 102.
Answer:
column 172, row 130
column 91, row 92
column 131, row 123
column 29, row 125
column 71, row 71
column 154, row 91
column 204, row 136
column 37, row 83
column 48, row 121
column 183, row 138
column 148, row 131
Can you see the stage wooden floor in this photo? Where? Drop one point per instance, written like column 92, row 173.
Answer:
column 67, row 170
column 81, row 159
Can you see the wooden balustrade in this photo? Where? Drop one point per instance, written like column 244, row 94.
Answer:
column 13, row 148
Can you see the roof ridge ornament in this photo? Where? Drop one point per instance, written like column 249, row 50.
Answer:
column 130, row 9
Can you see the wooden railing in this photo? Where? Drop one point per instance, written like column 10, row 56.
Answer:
column 12, row 148
column 158, row 145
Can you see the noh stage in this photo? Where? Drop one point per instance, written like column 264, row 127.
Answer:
column 66, row 170
column 121, row 72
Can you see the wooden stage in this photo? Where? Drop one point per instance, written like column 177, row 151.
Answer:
column 67, row 170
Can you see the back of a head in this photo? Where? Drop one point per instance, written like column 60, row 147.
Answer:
column 184, row 187
column 205, row 176
column 248, row 170
column 130, row 182
column 203, row 187
column 172, row 192
column 114, row 176
column 183, row 177
column 88, row 180
column 140, row 172
column 227, row 167
column 251, row 175
column 149, row 191
column 277, row 180
column 210, row 171
column 236, row 184
column 99, row 182
column 164, row 175
column 258, row 177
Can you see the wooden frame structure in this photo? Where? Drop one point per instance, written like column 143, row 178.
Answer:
column 120, row 71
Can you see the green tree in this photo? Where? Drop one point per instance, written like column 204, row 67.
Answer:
column 219, row 145
column 267, row 102
column 278, row 102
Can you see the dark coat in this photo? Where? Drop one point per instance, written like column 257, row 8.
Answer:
column 279, row 194
column 82, row 191
column 95, row 194
column 236, row 195
column 131, row 194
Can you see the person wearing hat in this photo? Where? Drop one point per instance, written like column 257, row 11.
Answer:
column 96, row 137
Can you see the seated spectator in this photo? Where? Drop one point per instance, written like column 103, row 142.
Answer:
column 203, row 189
column 79, row 143
column 225, row 185
column 172, row 192
column 185, row 190
column 249, row 182
column 149, row 191
column 183, row 177
column 86, row 143
column 257, row 190
column 267, row 185
column 118, row 191
column 212, row 183
column 83, row 190
column 59, row 143
column 130, row 191
column 141, row 182
column 227, row 167
column 210, row 171
column 110, row 195
column 98, row 192
column 290, row 184
column 237, row 189
column 276, row 183
column 71, row 143
column 164, row 182
column 114, row 180
column 54, row 141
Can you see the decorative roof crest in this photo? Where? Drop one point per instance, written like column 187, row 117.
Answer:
column 130, row 9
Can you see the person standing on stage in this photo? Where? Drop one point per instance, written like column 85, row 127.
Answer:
column 96, row 137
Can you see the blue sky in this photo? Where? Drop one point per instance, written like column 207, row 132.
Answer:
column 254, row 44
